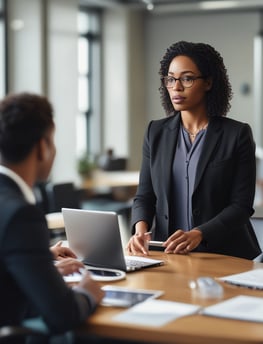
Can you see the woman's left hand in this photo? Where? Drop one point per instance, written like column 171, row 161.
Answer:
column 183, row 242
column 61, row 252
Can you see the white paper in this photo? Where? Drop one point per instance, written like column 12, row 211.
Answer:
column 156, row 312
column 249, row 279
column 248, row 308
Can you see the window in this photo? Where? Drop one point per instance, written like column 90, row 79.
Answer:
column 88, row 118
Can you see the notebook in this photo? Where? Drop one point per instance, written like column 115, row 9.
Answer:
column 95, row 237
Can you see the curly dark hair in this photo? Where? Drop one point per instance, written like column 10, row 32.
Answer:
column 25, row 118
column 211, row 65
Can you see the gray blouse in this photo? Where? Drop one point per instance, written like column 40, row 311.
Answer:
column 184, row 170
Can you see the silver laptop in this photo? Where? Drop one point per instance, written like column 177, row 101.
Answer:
column 95, row 237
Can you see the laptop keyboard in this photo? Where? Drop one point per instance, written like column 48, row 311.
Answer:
column 135, row 263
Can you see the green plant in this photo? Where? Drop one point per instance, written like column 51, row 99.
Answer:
column 85, row 165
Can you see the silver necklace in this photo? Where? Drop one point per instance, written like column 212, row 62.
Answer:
column 193, row 135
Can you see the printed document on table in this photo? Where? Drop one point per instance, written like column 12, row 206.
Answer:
column 156, row 312
column 250, row 279
column 242, row 307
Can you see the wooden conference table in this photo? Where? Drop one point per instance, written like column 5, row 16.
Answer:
column 111, row 179
column 122, row 184
column 173, row 278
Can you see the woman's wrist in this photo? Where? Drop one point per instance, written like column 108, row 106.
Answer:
column 141, row 227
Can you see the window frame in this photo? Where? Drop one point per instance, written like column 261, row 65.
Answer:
column 92, row 113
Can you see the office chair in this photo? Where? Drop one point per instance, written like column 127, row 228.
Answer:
column 40, row 193
column 20, row 335
column 61, row 195
column 66, row 195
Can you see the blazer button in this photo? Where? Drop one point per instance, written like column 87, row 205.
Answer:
column 196, row 212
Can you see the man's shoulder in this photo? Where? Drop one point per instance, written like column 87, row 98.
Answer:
column 14, row 207
column 10, row 195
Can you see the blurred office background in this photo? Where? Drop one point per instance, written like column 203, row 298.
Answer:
column 98, row 62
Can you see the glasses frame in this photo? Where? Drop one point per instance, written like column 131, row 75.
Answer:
column 181, row 80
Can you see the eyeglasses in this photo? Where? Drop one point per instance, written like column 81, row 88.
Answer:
column 185, row 81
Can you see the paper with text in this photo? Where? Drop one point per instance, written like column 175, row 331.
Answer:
column 156, row 312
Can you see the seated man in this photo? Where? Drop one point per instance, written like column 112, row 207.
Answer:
column 30, row 282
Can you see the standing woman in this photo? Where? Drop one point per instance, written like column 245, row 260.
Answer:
column 197, row 179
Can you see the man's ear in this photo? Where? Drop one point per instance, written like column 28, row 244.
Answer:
column 42, row 149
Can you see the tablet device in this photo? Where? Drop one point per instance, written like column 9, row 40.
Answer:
column 127, row 297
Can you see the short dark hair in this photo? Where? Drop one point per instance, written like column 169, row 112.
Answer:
column 24, row 120
column 211, row 65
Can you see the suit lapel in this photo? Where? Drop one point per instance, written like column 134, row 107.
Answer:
column 214, row 132
column 169, row 151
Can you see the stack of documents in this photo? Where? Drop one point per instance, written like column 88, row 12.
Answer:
column 250, row 279
column 242, row 307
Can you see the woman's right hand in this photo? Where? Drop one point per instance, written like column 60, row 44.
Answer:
column 138, row 244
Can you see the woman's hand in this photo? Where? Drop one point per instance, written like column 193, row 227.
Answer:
column 183, row 242
column 138, row 244
column 61, row 252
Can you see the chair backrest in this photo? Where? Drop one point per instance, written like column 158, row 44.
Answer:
column 41, row 196
column 20, row 334
column 116, row 164
column 257, row 223
column 62, row 195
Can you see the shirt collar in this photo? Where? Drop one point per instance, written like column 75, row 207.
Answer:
column 25, row 189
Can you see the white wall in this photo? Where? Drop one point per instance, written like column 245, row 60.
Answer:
column 63, row 83
column 123, row 84
column 25, row 55
column 231, row 34
column 115, row 81
column 43, row 59
column 133, row 45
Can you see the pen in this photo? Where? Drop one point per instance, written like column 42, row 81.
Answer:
column 155, row 243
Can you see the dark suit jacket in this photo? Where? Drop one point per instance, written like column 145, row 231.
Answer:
column 28, row 277
column 223, row 195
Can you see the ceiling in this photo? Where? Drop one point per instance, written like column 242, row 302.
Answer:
column 168, row 6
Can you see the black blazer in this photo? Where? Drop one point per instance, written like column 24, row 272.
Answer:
column 29, row 279
column 224, row 190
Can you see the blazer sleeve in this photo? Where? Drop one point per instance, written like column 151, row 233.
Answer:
column 143, row 208
column 27, row 258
